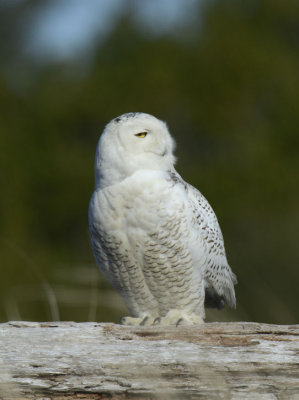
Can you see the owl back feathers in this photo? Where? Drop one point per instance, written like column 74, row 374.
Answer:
column 218, row 276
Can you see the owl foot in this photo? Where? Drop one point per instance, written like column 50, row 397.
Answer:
column 135, row 321
column 173, row 317
column 130, row 321
column 178, row 318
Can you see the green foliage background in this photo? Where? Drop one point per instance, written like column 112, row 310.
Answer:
column 227, row 83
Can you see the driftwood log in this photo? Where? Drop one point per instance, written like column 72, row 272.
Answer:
column 67, row 360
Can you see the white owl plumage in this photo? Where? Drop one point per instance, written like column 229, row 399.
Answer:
column 154, row 236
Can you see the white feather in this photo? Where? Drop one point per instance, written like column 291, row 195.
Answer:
column 154, row 237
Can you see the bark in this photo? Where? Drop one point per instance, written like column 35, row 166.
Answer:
column 68, row 360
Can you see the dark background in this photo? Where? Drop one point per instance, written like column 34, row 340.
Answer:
column 225, row 77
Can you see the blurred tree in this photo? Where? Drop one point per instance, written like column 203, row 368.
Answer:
column 227, row 83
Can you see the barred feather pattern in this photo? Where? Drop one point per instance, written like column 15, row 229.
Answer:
column 154, row 236
column 219, row 278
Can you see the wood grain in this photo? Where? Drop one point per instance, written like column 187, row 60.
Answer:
column 68, row 360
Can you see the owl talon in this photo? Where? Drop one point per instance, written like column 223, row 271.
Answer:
column 178, row 318
column 179, row 322
column 148, row 320
column 144, row 321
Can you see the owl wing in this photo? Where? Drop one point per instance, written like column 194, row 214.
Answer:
column 218, row 276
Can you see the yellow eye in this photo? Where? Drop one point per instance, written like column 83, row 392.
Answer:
column 141, row 134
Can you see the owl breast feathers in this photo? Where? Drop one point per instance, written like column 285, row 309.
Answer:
column 154, row 236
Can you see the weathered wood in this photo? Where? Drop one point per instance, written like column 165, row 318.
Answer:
column 69, row 360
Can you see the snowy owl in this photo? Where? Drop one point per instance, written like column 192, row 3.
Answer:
column 154, row 236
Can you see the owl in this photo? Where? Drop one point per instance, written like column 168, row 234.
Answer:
column 154, row 236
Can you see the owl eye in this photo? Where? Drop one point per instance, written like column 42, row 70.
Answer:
column 141, row 134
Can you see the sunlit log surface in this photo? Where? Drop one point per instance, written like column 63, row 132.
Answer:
column 67, row 360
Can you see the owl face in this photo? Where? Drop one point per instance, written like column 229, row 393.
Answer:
column 132, row 142
column 140, row 133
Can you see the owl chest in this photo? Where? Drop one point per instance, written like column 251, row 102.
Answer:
column 130, row 211
column 148, row 225
column 144, row 238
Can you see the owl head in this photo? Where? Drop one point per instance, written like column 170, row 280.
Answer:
column 132, row 142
